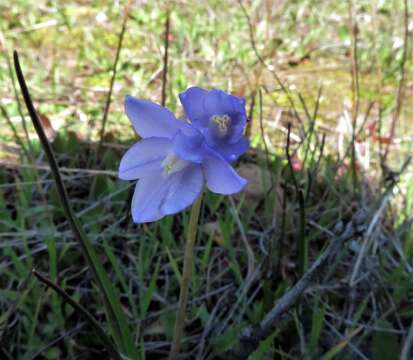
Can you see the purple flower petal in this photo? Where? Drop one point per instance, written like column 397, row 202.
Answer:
column 150, row 119
column 221, row 178
column 216, row 103
column 184, row 189
column 189, row 147
column 148, row 197
column 157, row 196
column 193, row 102
column 232, row 152
column 201, row 106
column 144, row 158
column 174, row 157
column 236, row 133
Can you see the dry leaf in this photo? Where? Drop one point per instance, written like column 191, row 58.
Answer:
column 47, row 127
column 213, row 229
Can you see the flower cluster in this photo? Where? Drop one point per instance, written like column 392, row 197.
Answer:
column 175, row 157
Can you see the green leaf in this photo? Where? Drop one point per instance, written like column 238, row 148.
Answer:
column 222, row 342
column 263, row 347
column 385, row 344
column 147, row 296
column 316, row 327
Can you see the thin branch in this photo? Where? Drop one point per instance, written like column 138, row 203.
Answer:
column 166, row 53
column 262, row 61
column 112, row 80
column 302, row 250
column 248, row 130
column 251, row 336
column 313, row 173
column 355, row 88
column 77, row 171
column 264, row 140
column 283, row 232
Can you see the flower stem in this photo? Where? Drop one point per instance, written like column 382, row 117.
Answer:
column 186, row 278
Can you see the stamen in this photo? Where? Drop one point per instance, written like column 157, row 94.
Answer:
column 171, row 164
column 223, row 122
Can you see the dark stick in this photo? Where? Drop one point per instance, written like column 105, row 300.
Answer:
column 91, row 257
column 248, row 130
column 313, row 173
column 302, row 243
column 45, row 142
column 251, row 336
column 355, row 87
column 267, row 152
column 283, row 232
column 165, row 55
column 107, row 342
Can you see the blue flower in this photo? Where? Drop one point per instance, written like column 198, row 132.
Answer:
column 172, row 163
column 220, row 117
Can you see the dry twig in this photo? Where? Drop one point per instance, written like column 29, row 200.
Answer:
column 112, row 80
column 252, row 335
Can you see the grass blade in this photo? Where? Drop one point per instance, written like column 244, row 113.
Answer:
column 116, row 317
column 107, row 343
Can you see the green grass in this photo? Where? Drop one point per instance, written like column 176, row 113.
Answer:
column 67, row 51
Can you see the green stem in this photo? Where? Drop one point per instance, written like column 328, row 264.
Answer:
column 302, row 240
column 186, row 278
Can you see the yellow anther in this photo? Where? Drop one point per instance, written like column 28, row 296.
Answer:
column 223, row 122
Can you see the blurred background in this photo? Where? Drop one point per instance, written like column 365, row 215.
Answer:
column 68, row 50
column 338, row 74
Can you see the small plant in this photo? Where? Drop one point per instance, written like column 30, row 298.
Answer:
column 176, row 157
